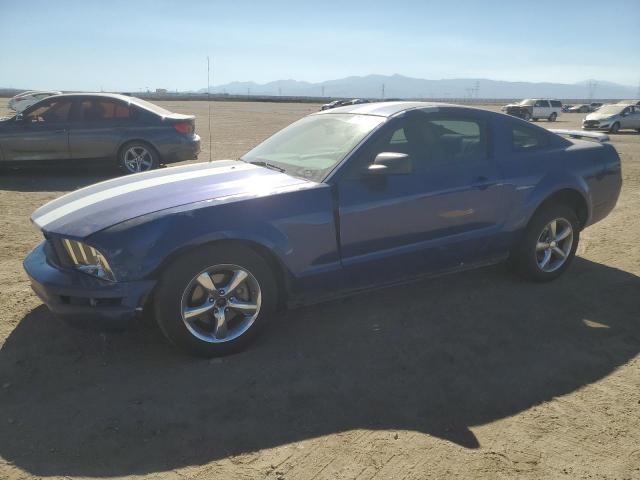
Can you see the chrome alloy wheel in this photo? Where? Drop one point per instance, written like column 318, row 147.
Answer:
column 221, row 303
column 138, row 159
column 554, row 245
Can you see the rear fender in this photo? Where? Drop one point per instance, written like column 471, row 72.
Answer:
column 549, row 186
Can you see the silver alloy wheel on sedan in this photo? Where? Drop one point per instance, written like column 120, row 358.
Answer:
column 554, row 245
column 137, row 159
column 221, row 303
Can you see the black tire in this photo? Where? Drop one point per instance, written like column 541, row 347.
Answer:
column 526, row 116
column 147, row 152
column 553, row 117
column 615, row 128
column 524, row 256
column 168, row 296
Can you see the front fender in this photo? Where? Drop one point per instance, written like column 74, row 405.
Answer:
column 296, row 227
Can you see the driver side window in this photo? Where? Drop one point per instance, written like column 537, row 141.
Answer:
column 432, row 141
column 56, row 111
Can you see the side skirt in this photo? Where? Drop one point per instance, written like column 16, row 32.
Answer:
column 302, row 301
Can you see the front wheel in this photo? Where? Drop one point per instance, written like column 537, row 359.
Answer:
column 614, row 128
column 137, row 157
column 214, row 301
column 553, row 117
column 548, row 244
column 526, row 116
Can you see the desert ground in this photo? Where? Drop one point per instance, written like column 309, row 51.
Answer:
column 478, row 374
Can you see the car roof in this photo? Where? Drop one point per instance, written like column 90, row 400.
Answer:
column 139, row 102
column 118, row 96
column 384, row 109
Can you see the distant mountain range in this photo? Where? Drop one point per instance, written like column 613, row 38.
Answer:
column 399, row 86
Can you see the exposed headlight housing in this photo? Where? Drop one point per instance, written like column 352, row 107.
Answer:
column 88, row 260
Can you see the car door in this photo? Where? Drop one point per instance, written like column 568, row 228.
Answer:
column 627, row 118
column 438, row 216
column 635, row 117
column 541, row 109
column 41, row 133
column 98, row 125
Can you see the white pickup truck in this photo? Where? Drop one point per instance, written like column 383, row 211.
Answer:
column 535, row 108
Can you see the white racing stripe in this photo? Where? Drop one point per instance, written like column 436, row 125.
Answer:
column 94, row 198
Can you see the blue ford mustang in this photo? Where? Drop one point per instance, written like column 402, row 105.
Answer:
column 339, row 201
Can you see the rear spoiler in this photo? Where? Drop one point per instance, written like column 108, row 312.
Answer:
column 598, row 137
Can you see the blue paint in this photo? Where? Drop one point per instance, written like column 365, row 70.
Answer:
column 347, row 232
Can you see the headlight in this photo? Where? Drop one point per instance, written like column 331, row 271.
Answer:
column 88, row 260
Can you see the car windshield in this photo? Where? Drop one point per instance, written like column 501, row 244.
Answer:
column 527, row 102
column 611, row 109
column 314, row 145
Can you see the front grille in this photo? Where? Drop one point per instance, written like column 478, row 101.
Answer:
column 591, row 123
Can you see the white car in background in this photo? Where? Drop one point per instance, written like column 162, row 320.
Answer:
column 613, row 118
column 28, row 98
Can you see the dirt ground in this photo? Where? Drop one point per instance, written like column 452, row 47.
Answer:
column 472, row 375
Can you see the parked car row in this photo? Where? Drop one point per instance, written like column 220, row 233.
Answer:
column 99, row 127
column 25, row 99
column 582, row 107
column 342, row 103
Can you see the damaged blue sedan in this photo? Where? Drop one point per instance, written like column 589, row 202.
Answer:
column 342, row 200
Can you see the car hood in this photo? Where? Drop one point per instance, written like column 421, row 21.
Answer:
column 600, row 116
column 96, row 207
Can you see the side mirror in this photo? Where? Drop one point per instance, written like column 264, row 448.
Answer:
column 387, row 163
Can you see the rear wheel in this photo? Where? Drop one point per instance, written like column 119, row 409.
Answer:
column 548, row 244
column 615, row 127
column 553, row 117
column 214, row 301
column 137, row 157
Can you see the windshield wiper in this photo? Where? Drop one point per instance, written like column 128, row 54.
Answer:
column 261, row 163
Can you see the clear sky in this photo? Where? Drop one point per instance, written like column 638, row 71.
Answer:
column 129, row 45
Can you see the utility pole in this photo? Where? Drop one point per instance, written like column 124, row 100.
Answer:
column 322, row 89
column 591, row 88
column 383, row 91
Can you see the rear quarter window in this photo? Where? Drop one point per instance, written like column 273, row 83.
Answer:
column 526, row 138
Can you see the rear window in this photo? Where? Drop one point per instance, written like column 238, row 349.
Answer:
column 556, row 103
column 524, row 138
column 150, row 106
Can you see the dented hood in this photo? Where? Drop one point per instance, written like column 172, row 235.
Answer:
column 96, row 207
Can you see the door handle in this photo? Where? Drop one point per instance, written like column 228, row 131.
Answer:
column 482, row 182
